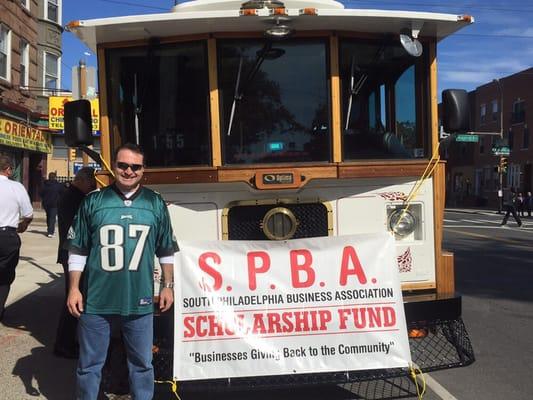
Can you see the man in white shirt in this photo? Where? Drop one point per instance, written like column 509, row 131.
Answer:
column 16, row 214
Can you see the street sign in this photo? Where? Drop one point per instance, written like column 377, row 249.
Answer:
column 467, row 138
column 501, row 150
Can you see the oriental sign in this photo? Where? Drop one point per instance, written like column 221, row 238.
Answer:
column 25, row 137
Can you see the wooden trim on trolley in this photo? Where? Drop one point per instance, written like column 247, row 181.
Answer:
column 156, row 176
column 335, row 98
column 214, row 106
column 377, row 169
column 418, row 286
column 105, row 129
column 433, row 100
column 444, row 274
column 306, row 173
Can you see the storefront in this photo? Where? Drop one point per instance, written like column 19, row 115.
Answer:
column 27, row 146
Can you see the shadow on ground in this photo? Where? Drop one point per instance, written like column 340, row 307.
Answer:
column 40, row 371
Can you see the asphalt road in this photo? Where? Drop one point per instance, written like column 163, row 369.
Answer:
column 494, row 272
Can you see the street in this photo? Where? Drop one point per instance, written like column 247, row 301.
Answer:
column 493, row 273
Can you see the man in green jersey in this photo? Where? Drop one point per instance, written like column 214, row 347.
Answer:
column 113, row 240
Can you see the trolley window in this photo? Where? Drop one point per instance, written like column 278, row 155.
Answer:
column 159, row 98
column 274, row 101
column 380, row 101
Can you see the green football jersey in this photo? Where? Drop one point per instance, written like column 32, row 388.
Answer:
column 120, row 236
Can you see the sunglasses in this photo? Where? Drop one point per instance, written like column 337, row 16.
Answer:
column 124, row 166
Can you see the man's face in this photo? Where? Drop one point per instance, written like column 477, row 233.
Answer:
column 128, row 170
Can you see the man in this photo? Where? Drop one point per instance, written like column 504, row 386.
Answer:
column 511, row 207
column 16, row 214
column 113, row 240
column 50, row 193
column 84, row 182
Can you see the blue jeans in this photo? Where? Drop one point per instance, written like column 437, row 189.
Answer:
column 94, row 332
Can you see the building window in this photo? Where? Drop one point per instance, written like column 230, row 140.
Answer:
column 51, row 72
column 513, row 176
column 5, row 53
column 494, row 107
column 483, row 113
column 25, row 4
column 52, row 10
column 525, row 143
column 519, row 112
column 511, row 139
column 24, row 63
column 482, row 145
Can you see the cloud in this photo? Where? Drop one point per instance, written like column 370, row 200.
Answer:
column 516, row 32
column 470, row 77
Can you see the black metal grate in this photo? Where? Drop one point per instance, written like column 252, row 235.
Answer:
column 446, row 345
column 245, row 222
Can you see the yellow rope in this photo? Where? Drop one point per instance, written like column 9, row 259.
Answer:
column 174, row 387
column 428, row 171
column 107, row 167
column 101, row 182
column 413, row 373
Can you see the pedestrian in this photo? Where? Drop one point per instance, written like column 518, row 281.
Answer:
column 510, row 204
column 84, row 182
column 528, row 200
column 520, row 204
column 50, row 193
column 114, row 238
column 16, row 214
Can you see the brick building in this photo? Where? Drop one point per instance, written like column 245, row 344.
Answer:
column 473, row 176
column 30, row 54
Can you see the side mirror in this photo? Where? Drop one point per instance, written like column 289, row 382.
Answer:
column 78, row 123
column 455, row 111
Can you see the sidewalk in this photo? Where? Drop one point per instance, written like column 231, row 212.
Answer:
column 28, row 369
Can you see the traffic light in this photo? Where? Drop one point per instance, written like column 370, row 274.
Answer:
column 503, row 163
column 72, row 154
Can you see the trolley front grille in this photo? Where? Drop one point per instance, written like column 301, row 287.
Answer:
column 246, row 222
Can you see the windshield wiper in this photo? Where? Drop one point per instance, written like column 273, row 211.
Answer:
column 354, row 90
column 267, row 52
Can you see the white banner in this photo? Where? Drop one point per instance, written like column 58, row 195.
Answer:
column 252, row 308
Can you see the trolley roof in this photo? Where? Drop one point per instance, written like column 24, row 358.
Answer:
column 211, row 16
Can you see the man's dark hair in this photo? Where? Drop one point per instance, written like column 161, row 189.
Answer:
column 128, row 146
column 5, row 162
column 84, row 174
column 52, row 176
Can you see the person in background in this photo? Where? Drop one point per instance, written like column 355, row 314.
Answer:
column 528, row 203
column 50, row 193
column 510, row 204
column 84, row 182
column 113, row 240
column 520, row 206
column 16, row 214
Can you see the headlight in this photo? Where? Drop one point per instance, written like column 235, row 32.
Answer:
column 402, row 222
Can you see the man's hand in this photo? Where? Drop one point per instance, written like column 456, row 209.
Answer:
column 166, row 298
column 23, row 225
column 75, row 302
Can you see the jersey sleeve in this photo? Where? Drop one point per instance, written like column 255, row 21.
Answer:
column 166, row 242
column 78, row 236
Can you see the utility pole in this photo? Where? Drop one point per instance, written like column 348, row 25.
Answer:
column 500, row 161
column 82, row 79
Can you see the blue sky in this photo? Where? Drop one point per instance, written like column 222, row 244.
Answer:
column 499, row 44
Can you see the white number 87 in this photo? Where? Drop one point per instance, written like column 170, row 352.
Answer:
column 116, row 248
